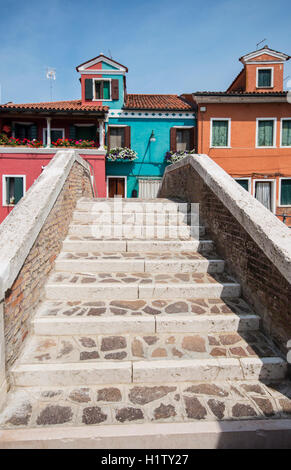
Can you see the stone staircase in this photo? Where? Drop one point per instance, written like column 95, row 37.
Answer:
column 139, row 330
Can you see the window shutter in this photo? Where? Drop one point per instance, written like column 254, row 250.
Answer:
column 89, row 89
column 18, row 189
column 115, row 89
column 285, row 192
column 72, row 132
column 193, row 139
column 127, row 137
column 7, row 181
column 173, row 139
column 33, row 132
column 108, row 137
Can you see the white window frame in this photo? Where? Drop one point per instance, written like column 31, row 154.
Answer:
column 281, row 133
column 249, row 181
column 116, row 176
column 272, row 77
column 274, row 133
column 273, row 181
column 52, row 129
column 102, row 80
column 279, row 202
column 4, row 188
column 228, row 146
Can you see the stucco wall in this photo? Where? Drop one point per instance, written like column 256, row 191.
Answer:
column 150, row 160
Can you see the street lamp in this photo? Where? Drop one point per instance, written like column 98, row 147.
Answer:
column 152, row 137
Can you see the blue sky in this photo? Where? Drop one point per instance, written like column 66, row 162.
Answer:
column 169, row 46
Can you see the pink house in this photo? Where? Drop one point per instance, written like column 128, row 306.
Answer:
column 47, row 122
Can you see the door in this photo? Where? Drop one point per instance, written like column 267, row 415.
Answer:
column 116, row 187
column 148, row 188
column 263, row 193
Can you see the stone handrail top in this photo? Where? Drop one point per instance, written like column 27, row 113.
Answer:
column 270, row 234
column 20, row 229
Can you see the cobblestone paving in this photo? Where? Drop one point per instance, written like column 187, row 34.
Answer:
column 151, row 403
column 140, row 278
column 64, row 349
column 146, row 307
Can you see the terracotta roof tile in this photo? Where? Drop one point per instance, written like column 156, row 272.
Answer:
column 162, row 102
column 240, row 93
column 73, row 105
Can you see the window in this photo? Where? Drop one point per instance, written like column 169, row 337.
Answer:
column 266, row 132
column 183, row 139
column 286, row 133
column 102, row 90
column 23, row 130
column 244, row 182
column 13, row 189
column 55, row 135
column 264, row 78
column 220, row 132
column 285, row 192
column 117, row 137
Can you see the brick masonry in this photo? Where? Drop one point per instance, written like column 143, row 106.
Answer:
column 263, row 286
column 27, row 290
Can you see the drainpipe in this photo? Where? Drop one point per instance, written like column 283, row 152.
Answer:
column 48, row 127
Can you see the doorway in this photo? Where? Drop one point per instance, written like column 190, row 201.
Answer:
column 264, row 191
column 116, row 186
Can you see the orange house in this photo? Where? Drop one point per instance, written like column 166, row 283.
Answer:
column 247, row 129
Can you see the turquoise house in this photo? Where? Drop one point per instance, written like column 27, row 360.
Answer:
column 151, row 125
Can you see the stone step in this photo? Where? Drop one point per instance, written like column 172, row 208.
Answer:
column 155, row 371
column 93, row 244
column 133, row 205
column 134, row 231
column 166, row 345
column 142, row 316
column 100, row 286
column 138, row 262
column 139, row 218
column 176, row 404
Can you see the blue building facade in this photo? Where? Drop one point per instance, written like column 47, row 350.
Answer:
column 151, row 125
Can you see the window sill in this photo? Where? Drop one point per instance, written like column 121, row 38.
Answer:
column 285, row 146
column 266, row 146
column 264, row 87
column 286, row 205
column 220, row 147
column 100, row 99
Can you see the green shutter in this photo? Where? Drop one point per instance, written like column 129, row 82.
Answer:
column 286, row 133
column 18, row 189
column 7, row 180
column 72, row 132
column 244, row 184
column 219, row 133
column 88, row 89
column 265, row 78
column 285, row 192
column 106, row 90
column 266, row 133
column 33, row 132
column 19, row 131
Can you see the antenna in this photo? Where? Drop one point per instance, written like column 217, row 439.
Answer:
column 288, row 76
column 263, row 40
column 51, row 76
column 110, row 55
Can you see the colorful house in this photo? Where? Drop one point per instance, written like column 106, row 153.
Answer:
column 151, row 125
column 105, row 117
column 247, row 129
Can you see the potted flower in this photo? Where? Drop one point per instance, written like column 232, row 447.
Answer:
column 174, row 157
column 121, row 154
